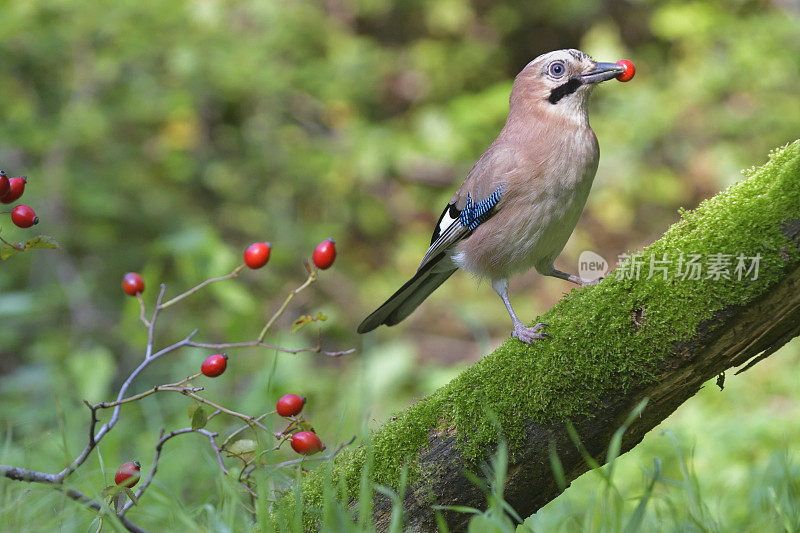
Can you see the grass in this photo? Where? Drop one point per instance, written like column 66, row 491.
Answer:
column 723, row 462
column 728, row 462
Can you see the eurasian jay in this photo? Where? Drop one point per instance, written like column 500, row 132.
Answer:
column 523, row 197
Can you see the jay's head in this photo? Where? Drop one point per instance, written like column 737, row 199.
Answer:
column 560, row 82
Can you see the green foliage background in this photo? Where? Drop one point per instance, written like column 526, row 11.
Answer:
column 165, row 137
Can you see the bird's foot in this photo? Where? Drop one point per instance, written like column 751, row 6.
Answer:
column 583, row 282
column 531, row 334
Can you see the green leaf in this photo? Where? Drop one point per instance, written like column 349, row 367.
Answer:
column 615, row 445
column 131, row 495
column 593, row 464
column 7, row 251
column 300, row 323
column 199, row 418
column 321, row 317
column 635, row 522
column 39, row 242
column 457, row 508
column 557, row 466
column 484, row 523
column 110, row 490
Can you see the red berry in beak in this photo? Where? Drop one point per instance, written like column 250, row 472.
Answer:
column 630, row 70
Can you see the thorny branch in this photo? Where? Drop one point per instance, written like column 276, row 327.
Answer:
column 160, row 444
column 331, row 455
column 201, row 285
column 183, row 386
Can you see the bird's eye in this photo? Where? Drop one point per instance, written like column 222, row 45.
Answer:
column 557, row 69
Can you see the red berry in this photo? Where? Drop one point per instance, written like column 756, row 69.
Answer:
column 257, row 254
column 290, row 405
column 4, row 185
column 214, row 365
column 128, row 474
column 325, row 254
column 16, row 186
column 132, row 284
column 630, row 70
column 306, row 443
column 23, row 216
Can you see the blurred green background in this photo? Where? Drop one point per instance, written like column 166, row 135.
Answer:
column 163, row 137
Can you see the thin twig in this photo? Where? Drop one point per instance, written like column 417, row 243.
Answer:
column 258, row 419
column 93, row 422
column 98, row 507
column 95, row 435
column 157, row 455
column 23, row 474
column 247, row 418
column 245, row 474
column 18, row 246
column 201, row 285
column 167, row 387
column 228, row 345
column 142, row 310
column 320, row 458
column 312, row 277
column 105, row 428
column 151, row 326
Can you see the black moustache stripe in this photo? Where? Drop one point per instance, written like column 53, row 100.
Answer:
column 563, row 90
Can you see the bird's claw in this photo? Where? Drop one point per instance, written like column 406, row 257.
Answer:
column 531, row 334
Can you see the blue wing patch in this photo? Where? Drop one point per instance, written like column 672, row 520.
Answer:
column 473, row 215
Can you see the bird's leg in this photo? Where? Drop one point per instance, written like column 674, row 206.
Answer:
column 522, row 332
column 573, row 278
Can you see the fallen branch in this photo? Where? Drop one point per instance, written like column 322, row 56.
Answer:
column 635, row 335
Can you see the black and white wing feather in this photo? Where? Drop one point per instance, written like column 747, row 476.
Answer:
column 454, row 225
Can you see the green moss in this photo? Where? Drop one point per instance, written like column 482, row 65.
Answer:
column 597, row 349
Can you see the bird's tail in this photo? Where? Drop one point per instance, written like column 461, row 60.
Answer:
column 407, row 298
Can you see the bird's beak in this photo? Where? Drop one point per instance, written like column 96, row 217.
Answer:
column 602, row 72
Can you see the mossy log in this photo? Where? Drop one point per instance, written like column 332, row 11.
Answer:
column 613, row 344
